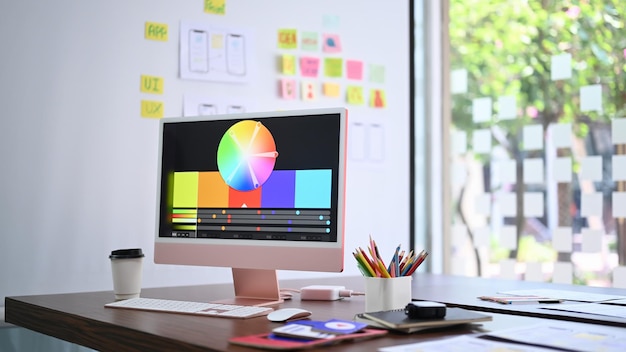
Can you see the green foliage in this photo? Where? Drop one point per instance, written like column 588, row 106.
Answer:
column 529, row 250
column 506, row 47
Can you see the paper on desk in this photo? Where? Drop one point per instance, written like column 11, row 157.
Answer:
column 565, row 295
column 463, row 343
column 566, row 335
column 593, row 308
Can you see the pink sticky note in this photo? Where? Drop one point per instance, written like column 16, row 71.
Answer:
column 309, row 66
column 355, row 69
column 288, row 88
column 332, row 43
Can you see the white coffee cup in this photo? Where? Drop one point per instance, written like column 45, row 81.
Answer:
column 126, row 266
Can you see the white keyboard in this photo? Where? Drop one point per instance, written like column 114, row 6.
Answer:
column 195, row 308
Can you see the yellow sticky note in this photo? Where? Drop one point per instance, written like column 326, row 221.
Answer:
column 331, row 90
column 377, row 98
column 355, row 95
column 333, row 67
column 217, row 41
column 156, row 31
column 151, row 84
column 215, row 7
column 289, row 65
column 151, row 108
column 287, row 38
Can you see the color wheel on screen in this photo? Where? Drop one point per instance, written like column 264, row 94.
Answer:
column 246, row 155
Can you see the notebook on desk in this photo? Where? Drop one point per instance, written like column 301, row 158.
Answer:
column 398, row 320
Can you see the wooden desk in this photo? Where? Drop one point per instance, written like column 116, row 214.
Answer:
column 81, row 318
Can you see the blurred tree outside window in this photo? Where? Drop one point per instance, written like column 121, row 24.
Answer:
column 538, row 154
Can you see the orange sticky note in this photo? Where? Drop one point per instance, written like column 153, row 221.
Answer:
column 309, row 90
column 287, row 38
column 288, row 88
column 355, row 95
column 377, row 98
column 331, row 89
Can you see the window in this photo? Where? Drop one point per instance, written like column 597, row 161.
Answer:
column 537, row 162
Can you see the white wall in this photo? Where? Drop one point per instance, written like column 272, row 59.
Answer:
column 79, row 163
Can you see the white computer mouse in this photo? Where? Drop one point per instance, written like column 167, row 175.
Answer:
column 285, row 314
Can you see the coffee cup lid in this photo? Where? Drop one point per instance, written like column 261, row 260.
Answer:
column 126, row 253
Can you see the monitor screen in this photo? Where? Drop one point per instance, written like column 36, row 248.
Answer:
column 256, row 192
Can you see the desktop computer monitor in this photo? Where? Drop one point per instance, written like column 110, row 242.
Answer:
column 255, row 192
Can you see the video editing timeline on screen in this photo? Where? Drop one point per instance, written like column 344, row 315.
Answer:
column 247, row 199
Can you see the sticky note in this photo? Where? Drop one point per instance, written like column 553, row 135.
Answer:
column 507, row 204
column 483, row 204
column 156, row 31
column 376, row 73
column 459, row 142
column 309, row 41
column 507, row 108
column 458, row 81
column 508, row 237
column 619, row 167
column 591, row 98
column 459, row 173
column 331, row 21
column 481, row 141
column 562, row 239
column 618, row 130
column 333, row 67
column 288, row 88
column 562, row 170
column 357, row 140
column 482, row 236
column 591, row 168
column 217, row 41
column 481, row 109
column 507, row 269
column 309, row 90
column 532, row 136
column 619, row 273
column 377, row 98
column 150, row 108
column 288, row 64
column 533, row 170
column 355, row 95
column 561, row 67
column 215, row 7
column 506, row 171
column 591, row 204
column 354, row 69
column 591, row 240
column 618, row 201
column 287, row 38
column 331, row 89
column 533, row 204
column 533, row 272
column 309, row 66
column 561, row 134
column 331, row 43
column 563, row 273
column 151, row 84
